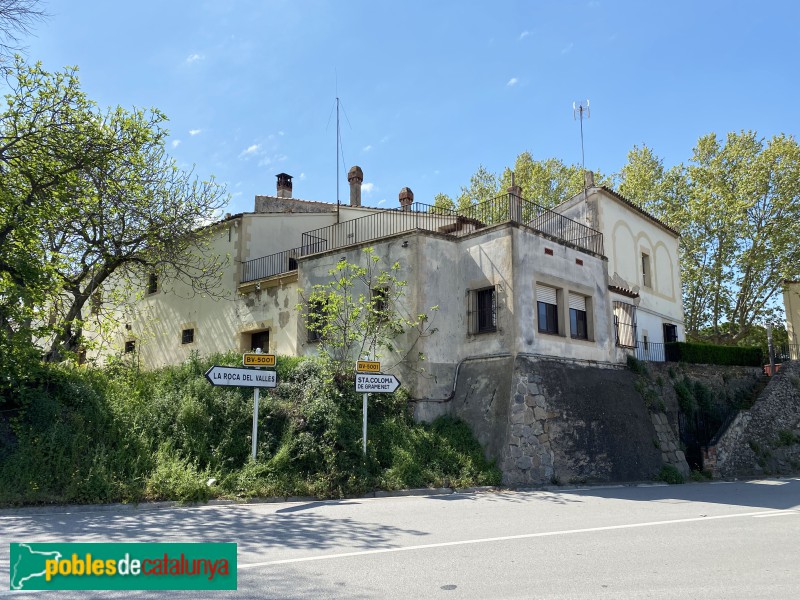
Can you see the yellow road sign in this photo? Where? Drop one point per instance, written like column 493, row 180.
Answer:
column 368, row 366
column 251, row 359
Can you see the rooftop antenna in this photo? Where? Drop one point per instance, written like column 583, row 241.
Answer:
column 337, row 156
column 578, row 110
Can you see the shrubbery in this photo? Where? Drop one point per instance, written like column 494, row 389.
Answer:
column 709, row 354
column 85, row 435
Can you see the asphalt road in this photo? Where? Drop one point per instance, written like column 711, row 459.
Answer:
column 705, row 541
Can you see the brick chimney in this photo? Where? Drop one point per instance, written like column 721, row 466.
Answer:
column 588, row 179
column 406, row 198
column 355, row 176
column 284, row 185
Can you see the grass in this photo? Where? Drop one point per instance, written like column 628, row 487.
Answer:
column 96, row 436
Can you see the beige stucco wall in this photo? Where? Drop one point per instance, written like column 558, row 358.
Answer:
column 627, row 234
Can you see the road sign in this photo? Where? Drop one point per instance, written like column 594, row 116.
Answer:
column 368, row 366
column 237, row 376
column 377, row 384
column 253, row 359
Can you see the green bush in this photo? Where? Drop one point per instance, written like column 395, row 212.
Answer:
column 85, row 435
column 670, row 474
column 709, row 354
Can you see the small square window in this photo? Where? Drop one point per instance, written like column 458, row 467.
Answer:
column 315, row 320
column 187, row 336
column 130, row 346
column 380, row 302
column 95, row 302
column 152, row 283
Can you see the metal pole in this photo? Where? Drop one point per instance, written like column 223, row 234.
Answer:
column 255, row 423
column 365, row 425
column 255, row 417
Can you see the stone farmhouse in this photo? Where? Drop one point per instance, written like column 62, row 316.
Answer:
column 592, row 280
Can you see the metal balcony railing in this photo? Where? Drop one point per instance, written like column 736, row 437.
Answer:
column 451, row 222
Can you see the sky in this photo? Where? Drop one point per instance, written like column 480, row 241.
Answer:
column 429, row 91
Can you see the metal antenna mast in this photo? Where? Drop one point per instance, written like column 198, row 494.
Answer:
column 578, row 110
column 337, row 158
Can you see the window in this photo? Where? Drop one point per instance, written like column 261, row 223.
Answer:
column 483, row 310
column 670, row 332
column 547, row 309
column 187, row 336
column 315, row 320
column 130, row 346
column 152, row 283
column 625, row 324
column 260, row 339
column 577, row 317
column 646, row 275
column 95, row 302
column 380, row 302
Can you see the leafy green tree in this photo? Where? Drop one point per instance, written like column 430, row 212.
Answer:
column 359, row 313
column 483, row 186
column 737, row 206
column 443, row 203
column 547, row 182
column 85, row 196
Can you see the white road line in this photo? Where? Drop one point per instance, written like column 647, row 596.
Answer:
column 779, row 513
column 505, row 538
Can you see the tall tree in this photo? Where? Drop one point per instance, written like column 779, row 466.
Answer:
column 85, row 197
column 737, row 205
column 547, row 182
column 16, row 19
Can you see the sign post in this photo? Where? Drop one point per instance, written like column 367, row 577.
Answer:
column 242, row 377
column 370, row 380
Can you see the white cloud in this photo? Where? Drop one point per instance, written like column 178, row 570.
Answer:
column 523, row 35
column 194, row 132
column 192, row 58
column 367, row 188
column 250, row 150
column 280, row 133
column 512, row 82
column 302, row 176
column 264, row 162
column 381, row 201
column 568, row 48
column 367, row 148
column 176, row 143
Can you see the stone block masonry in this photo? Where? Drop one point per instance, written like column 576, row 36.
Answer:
column 548, row 421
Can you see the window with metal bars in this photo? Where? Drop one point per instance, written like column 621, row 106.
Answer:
column 483, row 310
column 625, row 324
column 187, row 336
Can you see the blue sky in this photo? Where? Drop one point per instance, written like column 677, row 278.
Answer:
column 430, row 90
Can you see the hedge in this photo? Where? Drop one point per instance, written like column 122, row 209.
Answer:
column 709, row 354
